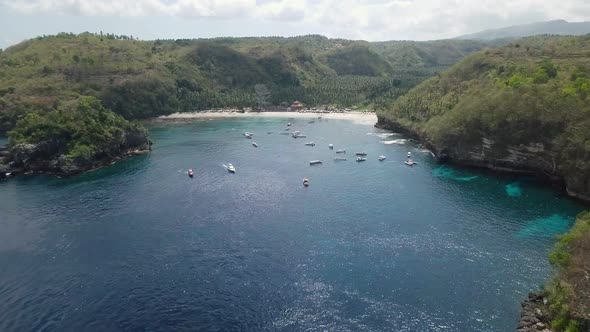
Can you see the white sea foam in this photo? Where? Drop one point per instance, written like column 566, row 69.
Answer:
column 400, row 141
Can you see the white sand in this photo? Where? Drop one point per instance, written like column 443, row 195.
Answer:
column 359, row 117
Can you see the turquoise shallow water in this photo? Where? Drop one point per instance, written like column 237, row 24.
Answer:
column 368, row 246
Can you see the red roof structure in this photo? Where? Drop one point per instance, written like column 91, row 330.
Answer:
column 296, row 105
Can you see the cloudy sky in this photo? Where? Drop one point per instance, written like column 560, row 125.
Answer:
column 357, row 19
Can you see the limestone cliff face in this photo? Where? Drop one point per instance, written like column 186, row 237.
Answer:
column 534, row 158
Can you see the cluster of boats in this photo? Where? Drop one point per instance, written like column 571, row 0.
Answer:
column 360, row 156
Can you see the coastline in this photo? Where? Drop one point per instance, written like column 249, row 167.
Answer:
column 369, row 118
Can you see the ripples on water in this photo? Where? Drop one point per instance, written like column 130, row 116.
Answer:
column 367, row 247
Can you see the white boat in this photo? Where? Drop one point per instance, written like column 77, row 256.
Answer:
column 340, row 151
column 300, row 136
column 248, row 134
column 289, row 124
column 361, row 153
column 231, row 168
column 331, row 146
column 410, row 162
column 339, row 159
column 310, row 144
column 409, row 154
column 305, row 182
column 359, row 159
column 254, row 144
column 315, row 162
column 381, row 158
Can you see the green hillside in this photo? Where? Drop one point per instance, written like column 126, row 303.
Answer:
column 140, row 79
column 525, row 106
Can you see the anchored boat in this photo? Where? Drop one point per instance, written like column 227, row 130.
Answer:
column 381, row 158
column 340, row 151
column 361, row 153
column 310, row 144
column 315, row 162
column 359, row 159
column 331, row 146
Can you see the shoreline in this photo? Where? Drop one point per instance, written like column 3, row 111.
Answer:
column 358, row 117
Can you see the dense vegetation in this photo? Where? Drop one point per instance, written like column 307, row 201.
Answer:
column 533, row 91
column 568, row 293
column 140, row 79
column 82, row 131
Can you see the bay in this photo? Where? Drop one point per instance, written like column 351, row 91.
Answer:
column 368, row 246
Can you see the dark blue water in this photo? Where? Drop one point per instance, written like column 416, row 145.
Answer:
column 368, row 246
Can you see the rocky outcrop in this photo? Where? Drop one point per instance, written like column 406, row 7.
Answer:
column 534, row 316
column 49, row 157
column 532, row 159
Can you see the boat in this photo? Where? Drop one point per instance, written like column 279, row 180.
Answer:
column 339, row 159
column 284, row 133
column 231, row 168
column 312, row 121
column 300, row 136
column 410, row 162
column 315, row 162
column 247, row 134
column 270, row 132
column 289, row 124
column 190, row 173
column 310, row 144
column 254, row 144
column 295, row 133
column 359, row 159
column 381, row 158
column 409, row 154
column 331, row 146
column 340, row 151
column 361, row 153
column 305, row 182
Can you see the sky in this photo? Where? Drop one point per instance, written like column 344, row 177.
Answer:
column 352, row 19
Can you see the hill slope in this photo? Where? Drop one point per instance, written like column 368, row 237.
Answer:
column 556, row 27
column 140, row 79
column 523, row 107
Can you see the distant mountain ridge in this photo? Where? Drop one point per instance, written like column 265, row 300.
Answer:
column 555, row 27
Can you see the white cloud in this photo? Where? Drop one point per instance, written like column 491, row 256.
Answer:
column 366, row 19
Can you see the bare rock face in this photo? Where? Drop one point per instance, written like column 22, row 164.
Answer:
column 533, row 317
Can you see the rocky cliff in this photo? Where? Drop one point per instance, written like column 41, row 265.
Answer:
column 49, row 157
column 532, row 159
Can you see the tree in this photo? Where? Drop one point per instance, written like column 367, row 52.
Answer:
column 262, row 96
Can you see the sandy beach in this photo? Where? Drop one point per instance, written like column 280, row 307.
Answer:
column 359, row 117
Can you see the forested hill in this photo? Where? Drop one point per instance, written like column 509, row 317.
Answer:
column 555, row 27
column 522, row 107
column 140, row 79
